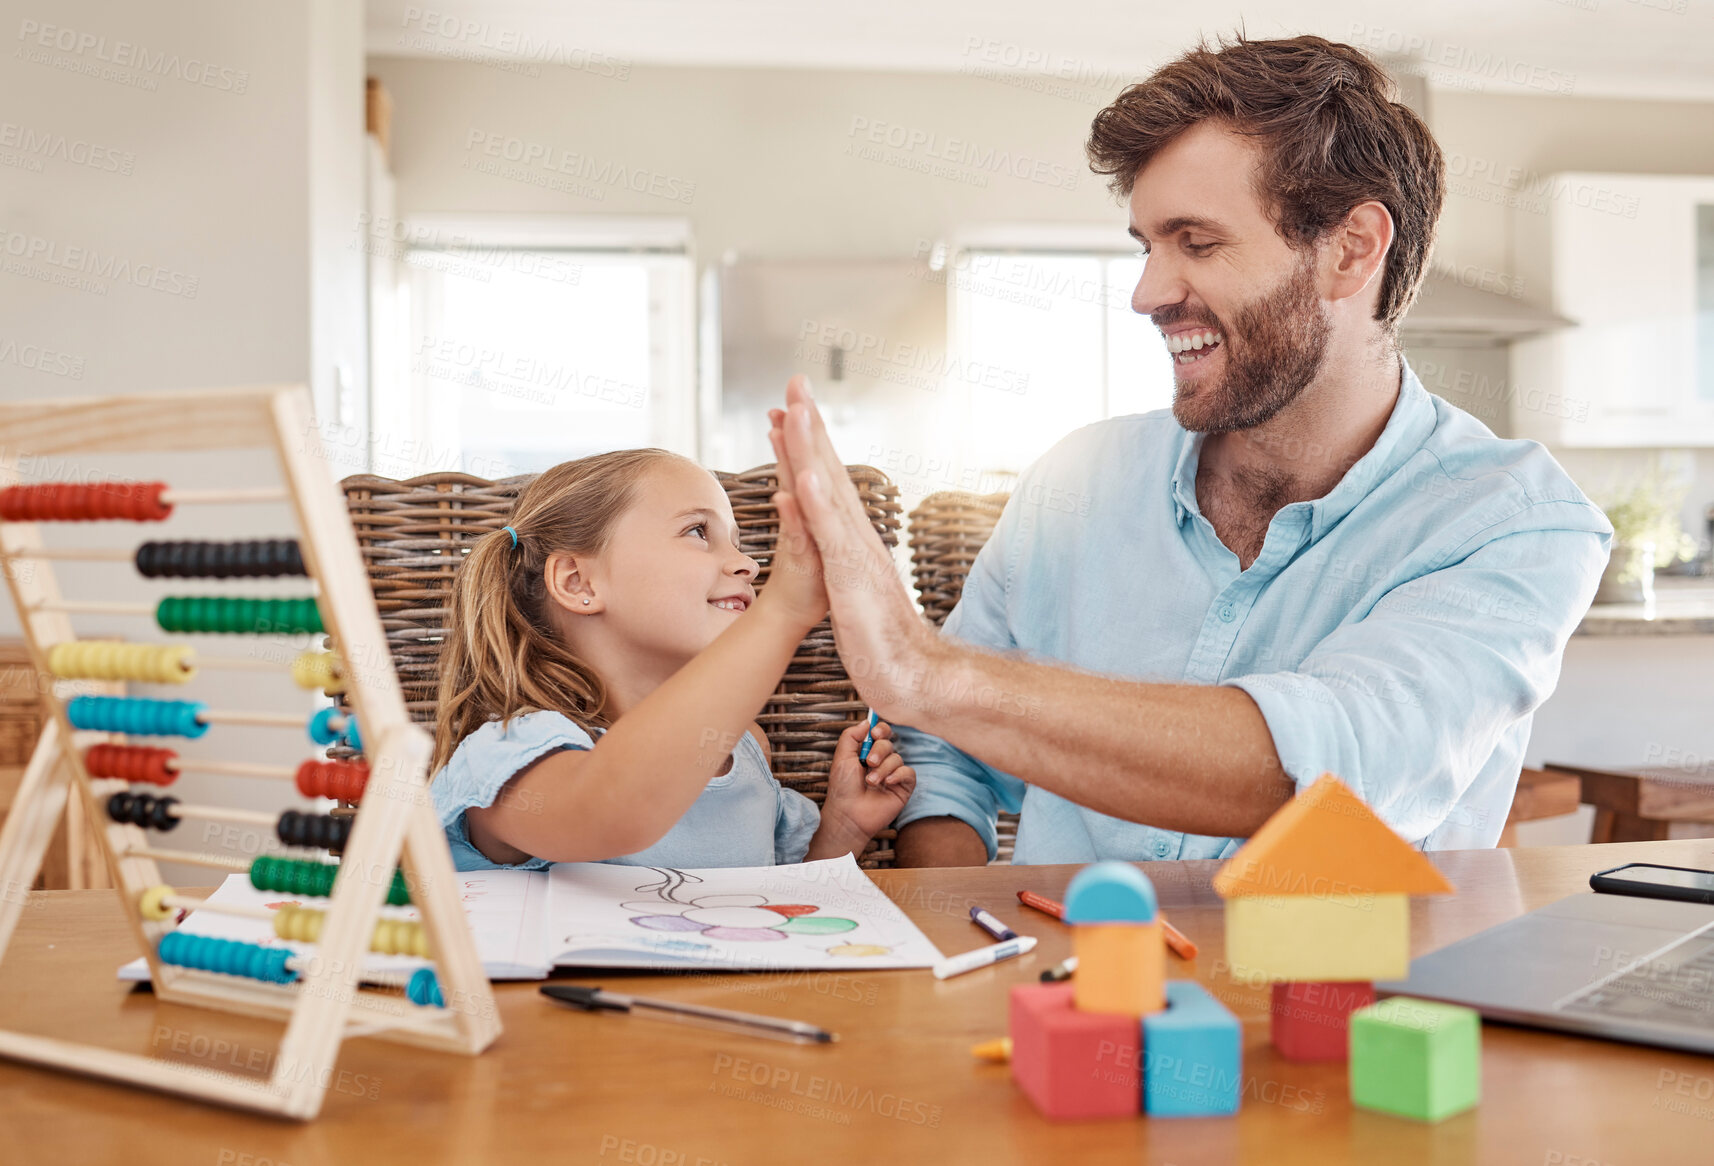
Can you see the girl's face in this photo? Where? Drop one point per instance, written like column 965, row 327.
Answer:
column 671, row 577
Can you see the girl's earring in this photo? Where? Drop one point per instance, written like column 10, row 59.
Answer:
column 586, row 603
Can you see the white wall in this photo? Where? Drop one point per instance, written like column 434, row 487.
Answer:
column 243, row 194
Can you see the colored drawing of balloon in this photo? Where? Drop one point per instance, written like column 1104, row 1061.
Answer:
column 858, row 949
column 743, row 933
column 733, row 901
column 816, row 925
column 757, row 917
column 792, row 910
column 666, row 923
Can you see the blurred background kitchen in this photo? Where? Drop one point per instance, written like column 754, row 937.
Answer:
column 496, row 234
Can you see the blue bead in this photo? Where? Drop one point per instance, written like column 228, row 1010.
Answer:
column 424, row 988
column 321, row 729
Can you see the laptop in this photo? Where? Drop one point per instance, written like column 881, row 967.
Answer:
column 1612, row 966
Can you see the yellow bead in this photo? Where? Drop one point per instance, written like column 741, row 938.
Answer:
column 151, row 906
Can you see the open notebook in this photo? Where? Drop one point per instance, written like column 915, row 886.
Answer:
column 811, row 916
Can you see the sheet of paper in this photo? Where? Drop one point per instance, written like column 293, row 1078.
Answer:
column 814, row 915
column 506, row 909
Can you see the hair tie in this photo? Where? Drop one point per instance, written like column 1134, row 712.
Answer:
column 511, row 532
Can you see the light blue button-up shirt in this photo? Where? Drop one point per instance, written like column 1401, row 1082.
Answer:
column 1399, row 632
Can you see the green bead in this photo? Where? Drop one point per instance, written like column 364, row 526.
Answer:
column 238, row 616
column 1416, row 1058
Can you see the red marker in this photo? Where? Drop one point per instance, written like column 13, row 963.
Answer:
column 1042, row 903
column 1181, row 944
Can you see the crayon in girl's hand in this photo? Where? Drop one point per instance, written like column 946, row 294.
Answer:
column 869, row 737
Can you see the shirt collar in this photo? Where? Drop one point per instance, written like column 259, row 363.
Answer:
column 1411, row 422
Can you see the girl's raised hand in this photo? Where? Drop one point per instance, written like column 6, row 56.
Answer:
column 795, row 575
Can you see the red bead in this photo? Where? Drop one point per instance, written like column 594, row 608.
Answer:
column 131, row 763
column 341, row 780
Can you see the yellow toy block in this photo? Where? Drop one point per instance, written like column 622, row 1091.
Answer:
column 1121, row 967
column 1301, row 937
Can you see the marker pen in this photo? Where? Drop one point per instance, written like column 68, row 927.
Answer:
column 983, row 956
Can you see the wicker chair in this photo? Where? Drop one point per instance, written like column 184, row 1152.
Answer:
column 414, row 533
column 946, row 532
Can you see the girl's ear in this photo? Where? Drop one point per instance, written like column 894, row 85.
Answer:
column 569, row 585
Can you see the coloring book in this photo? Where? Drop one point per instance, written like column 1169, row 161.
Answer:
column 806, row 917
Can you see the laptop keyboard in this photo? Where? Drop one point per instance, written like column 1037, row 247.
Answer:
column 1675, row 987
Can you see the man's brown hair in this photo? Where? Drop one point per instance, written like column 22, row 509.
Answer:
column 1331, row 134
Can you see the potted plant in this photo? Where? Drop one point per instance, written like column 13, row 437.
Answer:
column 1647, row 534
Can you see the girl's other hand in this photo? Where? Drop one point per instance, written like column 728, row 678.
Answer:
column 867, row 795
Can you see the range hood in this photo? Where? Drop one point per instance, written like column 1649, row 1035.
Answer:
column 1453, row 307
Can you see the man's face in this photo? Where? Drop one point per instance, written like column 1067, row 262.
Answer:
column 1239, row 308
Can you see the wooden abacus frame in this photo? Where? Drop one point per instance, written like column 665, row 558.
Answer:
column 395, row 826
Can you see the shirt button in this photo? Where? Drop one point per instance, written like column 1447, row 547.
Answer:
column 1161, row 846
column 1227, row 614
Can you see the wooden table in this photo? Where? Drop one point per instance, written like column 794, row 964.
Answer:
column 1648, row 803
column 899, row 1087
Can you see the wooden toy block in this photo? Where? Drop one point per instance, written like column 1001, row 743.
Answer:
column 1326, row 841
column 1300, row 937
column 1416, row 1058
column 1073, row 1064
column 1193, row 1061
column 1311, row 1021
column 1121, row 967
column 1110, row 892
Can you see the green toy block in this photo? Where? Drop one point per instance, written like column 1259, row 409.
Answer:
column 1416, row 1058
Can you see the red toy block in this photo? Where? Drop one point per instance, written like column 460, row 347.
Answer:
column 1312, row 1019
column 1074, row 1064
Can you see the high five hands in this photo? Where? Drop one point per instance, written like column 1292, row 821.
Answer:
column 884, row 644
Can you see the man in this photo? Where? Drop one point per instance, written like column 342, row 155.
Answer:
column 1309, row 565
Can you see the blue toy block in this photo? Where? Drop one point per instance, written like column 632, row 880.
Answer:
column 1192, row 1055
column 1110, row 892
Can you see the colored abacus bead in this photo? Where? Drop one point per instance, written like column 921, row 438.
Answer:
column 226, row 956
column 70, row 502
column 128, row 714
column 104, row 660
column 151, row 905
column 143, row 810
column 131, row 763
column 424, row 988
column 227, row 614
column 341, row 780
column 390, row 936
column 322, row 732
column 321, row 830
column 252, row 559
column 318, row 670
column 312, row 879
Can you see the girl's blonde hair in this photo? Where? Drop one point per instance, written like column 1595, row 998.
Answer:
column 501, row 655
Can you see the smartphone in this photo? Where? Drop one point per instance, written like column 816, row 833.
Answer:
column 1656, row 882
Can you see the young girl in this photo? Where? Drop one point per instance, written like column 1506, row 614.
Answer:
column 606, row 658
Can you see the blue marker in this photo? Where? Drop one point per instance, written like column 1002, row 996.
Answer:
column 869, row 737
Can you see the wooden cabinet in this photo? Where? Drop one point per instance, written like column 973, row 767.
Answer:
column 1630, row 260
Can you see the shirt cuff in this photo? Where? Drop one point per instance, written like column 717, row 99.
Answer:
column 1311, row 732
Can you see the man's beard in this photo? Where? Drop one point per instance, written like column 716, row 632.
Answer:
column 1272, row 354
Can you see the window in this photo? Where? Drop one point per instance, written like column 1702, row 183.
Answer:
column 526, row 348
column 1056, row 344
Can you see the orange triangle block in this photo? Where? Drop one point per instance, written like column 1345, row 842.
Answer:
column 1323, row 842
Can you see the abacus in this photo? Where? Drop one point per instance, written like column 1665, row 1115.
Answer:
column 391, row 849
